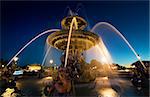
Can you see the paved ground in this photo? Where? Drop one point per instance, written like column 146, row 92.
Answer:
column 113, row 87
column 31, row 86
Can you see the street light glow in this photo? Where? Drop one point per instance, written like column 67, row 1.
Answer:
column 3, row 66
column 16, row 59
column 51, row 61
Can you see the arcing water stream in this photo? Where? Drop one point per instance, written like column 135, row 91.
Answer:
column 119, row 33
column 46, row 54
column 74, row 21
column 33, row 39
column 104, row 52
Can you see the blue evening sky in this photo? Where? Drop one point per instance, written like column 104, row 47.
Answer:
column 21, row 21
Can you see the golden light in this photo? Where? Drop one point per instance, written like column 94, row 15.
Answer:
column 104, row 60
column 94, row 67
column 49, row 78
column 114, row 67
column 34, row 67
column 133, row 66
column 127, row 70
column 107, row 92
column 8, row 93
column 105, row 78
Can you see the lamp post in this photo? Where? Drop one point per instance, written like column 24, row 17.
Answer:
column 16, row 59
column 3, row 66
column 51, row 62
column 15, row 62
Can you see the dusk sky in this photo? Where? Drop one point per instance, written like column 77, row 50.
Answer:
column 21, row 21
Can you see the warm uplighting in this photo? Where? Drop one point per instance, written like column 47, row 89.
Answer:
column 127, row 70
column 104, row 60
column 133, row 66
column 108, row 92
column 8, row 93
column 114, row 67
column 49, row 78
column 34, row 67
column 105, row 78
column 94, row 67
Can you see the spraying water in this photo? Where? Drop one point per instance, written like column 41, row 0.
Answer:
column 33, row 39
column 47, row 52
column 119, row 33
column 105, row 57
column 104, row 51
column 74, row 21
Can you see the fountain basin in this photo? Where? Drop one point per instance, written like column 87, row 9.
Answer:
column 80, row 40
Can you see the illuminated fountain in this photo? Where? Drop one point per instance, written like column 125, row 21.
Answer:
column 74, row 41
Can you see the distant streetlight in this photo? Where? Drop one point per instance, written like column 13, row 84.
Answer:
column 16, row 59
column 3, row 66
column 51, row 61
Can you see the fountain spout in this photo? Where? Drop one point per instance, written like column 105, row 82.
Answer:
column 74, row 21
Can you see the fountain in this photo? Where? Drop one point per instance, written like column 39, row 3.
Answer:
column 78, row 39
column 47, row 52
column 73, row 40
column 32, row 40
column 112, row 28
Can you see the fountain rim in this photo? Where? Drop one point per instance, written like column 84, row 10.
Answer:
column 88, row 36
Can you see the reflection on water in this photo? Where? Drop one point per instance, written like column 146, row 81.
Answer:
column 104, row 89
column 45, row 81
column 107, row 92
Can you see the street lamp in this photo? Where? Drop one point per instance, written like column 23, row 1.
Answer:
column 3, row 65
column 16, row 59
column 51, row 61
